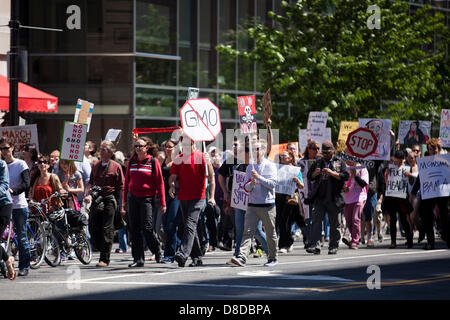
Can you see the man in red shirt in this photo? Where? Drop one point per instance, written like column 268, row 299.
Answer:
column 189, row 169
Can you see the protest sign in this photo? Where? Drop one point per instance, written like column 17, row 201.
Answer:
column 318, row 135
column 279, row 149
column 21, row 136
column 113, row 135
column 444, row 132
column 266, row 106
column 346, row 128
column 247, row 114
column 285, row 174
column 381, row 128
column 239, row 197
column 83, row 112
column 317, row 120
column 414, row 132
column 200, row 119
column 73, row 141
column 302, row 140
column 397, row 182
column 434, row 174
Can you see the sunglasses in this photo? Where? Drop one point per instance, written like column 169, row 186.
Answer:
column 315, row 149
column 416, row 150
column 139, row 146
column 42, row 162
column 4, row 148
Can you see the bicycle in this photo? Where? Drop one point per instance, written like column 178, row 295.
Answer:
column 69, row 227
column 52, row 254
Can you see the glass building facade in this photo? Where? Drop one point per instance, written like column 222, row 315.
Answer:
column 135, row 60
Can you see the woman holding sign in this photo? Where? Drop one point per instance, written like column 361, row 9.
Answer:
column 396, row 199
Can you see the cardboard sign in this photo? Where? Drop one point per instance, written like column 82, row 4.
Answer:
column 414, row 132
column 247, row 114
column 83, row 112
column 285, row 174
column 381, row 128
column 239, row 197
column 73, row 141
column 346, row 128
column 434, row 174
column 267, row 106
column 444, row 132
column 397, row 182
column 21, row 135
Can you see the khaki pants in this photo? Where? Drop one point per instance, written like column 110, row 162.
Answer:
column 267, row 216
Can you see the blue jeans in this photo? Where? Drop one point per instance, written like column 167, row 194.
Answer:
column 123, row 239
column 239, row 219
column 171, row 221
column 326, row 227
column 20, row 218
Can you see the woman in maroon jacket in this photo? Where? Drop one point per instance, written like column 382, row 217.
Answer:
column 143, row 180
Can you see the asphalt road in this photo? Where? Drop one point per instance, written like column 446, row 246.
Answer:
column 403, row 274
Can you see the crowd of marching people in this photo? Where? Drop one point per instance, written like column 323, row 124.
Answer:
column 175, row 200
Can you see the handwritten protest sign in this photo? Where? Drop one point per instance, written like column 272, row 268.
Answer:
column 397, row 182
column 239, row 197
column 346, row 128
column 83, row 112
column 434, row 174
column 285, row 174
column 381, row 128
column 74, row 138
column 414, row 132
column 319, row 136
column 113, row 135
column 444, row 132
column 21, row 136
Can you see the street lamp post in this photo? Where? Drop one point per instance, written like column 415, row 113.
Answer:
column 14, row 25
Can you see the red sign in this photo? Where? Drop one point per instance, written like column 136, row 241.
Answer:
column 361, row 142
column 247, row 112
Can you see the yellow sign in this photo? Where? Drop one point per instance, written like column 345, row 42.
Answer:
column 346, row 128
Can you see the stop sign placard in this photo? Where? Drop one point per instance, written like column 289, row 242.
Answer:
column 361, row 142
column 200, row 119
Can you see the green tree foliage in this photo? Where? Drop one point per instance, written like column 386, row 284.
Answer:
column 322, row 56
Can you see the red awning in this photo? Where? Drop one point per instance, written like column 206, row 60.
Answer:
column 30, row 99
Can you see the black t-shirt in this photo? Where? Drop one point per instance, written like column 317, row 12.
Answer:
column 226, row 170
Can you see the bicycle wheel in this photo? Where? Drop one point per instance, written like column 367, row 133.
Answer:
column 37, row 242
column 83, row 248
column 53, row 253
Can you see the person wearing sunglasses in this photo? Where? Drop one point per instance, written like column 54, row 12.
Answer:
column 330, row 174
column 19, row 182
column 143, row 181
column 311, row 153
column 44, row 185
column 106, row 174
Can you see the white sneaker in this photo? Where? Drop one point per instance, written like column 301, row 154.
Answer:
column 271, row 263
column 291, row 248
column 283, row 250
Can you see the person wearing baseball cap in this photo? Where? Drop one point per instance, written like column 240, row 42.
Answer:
column 330, row 174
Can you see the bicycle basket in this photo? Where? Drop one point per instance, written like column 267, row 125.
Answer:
column 56, row 215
